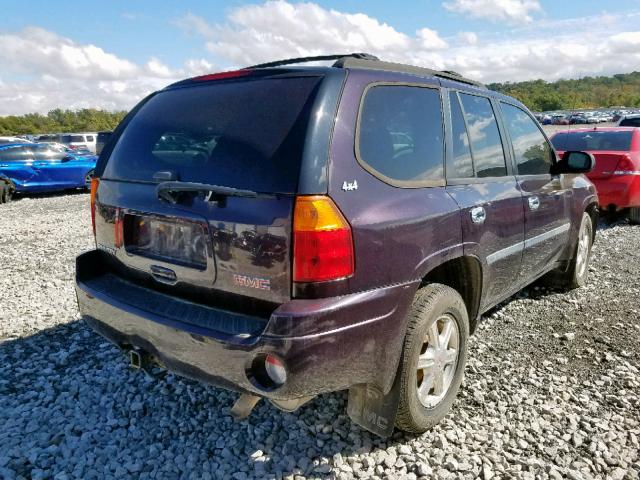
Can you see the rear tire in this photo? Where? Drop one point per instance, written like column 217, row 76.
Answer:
column 578, row 271
column 634, row 216
column 436, row 340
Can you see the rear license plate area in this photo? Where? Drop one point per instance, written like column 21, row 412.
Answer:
column 174, row 241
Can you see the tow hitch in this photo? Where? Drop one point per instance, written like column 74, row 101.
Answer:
column 141, row 360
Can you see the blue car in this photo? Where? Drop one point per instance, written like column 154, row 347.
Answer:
column 38, row 167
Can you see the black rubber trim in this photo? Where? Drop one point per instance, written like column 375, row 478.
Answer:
column 173, row 309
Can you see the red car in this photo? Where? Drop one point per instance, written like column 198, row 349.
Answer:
column 617, row 171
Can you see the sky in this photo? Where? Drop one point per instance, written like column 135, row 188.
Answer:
column 110, row 54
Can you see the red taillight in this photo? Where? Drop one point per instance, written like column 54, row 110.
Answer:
column 118, row 234
column 626, row 166
column 94, row 189
column 322, row 241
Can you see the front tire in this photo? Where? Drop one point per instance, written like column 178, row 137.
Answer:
column 578, row 271
column 433, row 357
column 634, row 216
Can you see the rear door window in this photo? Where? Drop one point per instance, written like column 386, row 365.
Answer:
column 400, row 134
column 593, row 140
column 486, row 144
column 460, row 164
column 533, row 152
column 247, row 134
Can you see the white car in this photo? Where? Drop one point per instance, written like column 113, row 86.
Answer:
column 632, row 120
column 78, row 140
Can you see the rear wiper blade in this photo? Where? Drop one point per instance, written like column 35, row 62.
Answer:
column 173, row 192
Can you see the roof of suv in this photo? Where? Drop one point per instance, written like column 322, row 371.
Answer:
column 363, row 61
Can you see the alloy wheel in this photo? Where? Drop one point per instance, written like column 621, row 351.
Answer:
column 438, row 361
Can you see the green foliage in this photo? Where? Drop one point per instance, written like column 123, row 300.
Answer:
column 60, row 121
column 587, row 92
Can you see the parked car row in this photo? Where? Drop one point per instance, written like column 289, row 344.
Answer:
column 578, row 118
column 75, row 141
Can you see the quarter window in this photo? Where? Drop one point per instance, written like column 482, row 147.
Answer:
column 460, row 165
column 532, row 151
column 401, row 135
column 486, row 145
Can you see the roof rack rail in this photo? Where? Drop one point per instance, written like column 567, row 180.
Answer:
column 366, row 60
column 318, row 58
column 359, row 62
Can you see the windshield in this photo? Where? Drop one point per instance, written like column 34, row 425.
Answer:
column 245, row 134
column 592, row 141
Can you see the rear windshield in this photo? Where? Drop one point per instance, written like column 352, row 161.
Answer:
column 245, row 134
column 592, row 141
column 630, row 122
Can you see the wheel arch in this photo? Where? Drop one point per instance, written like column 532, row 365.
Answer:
column 594, row 212
column 464, row 275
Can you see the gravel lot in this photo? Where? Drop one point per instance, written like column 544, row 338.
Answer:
column 551, row 390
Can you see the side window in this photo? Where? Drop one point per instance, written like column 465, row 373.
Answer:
column 460, row 165
column 16, row 154
column 45, row 152
column 533, row 153
column 400, row 137
column 486, row 145
column 89, row 138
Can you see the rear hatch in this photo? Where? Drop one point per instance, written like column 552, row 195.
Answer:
column 198, row 192
column 608, row 148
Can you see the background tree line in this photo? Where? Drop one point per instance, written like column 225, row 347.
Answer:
column 60, row 121
column 588, row 92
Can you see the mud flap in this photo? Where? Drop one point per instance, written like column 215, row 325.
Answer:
column 373, row 410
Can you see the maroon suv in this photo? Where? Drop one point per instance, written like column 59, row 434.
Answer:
column 286, row 231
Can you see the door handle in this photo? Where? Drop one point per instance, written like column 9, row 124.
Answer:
column 534, row 203
column 478, row 215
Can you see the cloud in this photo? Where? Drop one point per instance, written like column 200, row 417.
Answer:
column 42, row 70
column 430, row 39
column 468, row 38
column 277, row 29
column 511, row 11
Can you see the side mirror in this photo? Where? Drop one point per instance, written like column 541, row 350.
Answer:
column 574, row 162
column 67, row 158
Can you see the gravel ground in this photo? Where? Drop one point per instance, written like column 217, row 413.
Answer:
column 551, row 389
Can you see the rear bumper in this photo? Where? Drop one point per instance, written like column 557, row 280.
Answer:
column 327, row 344
column 620, row 191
